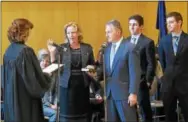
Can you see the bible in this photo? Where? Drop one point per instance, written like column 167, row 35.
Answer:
column 51, row 68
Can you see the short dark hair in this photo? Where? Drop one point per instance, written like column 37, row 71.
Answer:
column 116, row 24
column 176, row 15
column 19, row 30
column 138, row 18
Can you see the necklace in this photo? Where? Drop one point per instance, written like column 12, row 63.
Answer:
column 76, row 57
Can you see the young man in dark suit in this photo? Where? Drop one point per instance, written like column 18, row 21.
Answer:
column 173, row 55
column 145, row 47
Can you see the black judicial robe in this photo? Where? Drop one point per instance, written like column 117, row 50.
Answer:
column 24, row 84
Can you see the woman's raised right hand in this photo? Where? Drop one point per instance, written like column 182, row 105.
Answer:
column 50, row 46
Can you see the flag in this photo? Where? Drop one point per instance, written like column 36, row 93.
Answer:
column 161, row 19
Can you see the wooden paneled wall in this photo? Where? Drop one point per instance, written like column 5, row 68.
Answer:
column 49, row 19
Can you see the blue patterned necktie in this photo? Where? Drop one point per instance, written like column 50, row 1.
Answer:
column 112, row 54
column 133, row 40
column 175, row 44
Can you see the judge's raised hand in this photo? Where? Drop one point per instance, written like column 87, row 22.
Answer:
column 50, row 46
column 132, row 99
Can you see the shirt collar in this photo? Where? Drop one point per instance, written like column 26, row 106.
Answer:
column 118, row 42
column 136, row 36
column 176, row 34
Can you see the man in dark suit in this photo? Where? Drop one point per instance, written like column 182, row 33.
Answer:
column 122, row 73
column 173, row 55
column 145, row 47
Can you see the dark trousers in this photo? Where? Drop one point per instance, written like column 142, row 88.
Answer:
column 96, row 112
column 144, row 102
column 81, row 119
column 120, row 111
column 170, row 105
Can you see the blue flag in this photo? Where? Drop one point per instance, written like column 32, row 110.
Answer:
column 161, row 19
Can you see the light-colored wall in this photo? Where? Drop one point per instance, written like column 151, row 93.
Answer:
column 49, row 19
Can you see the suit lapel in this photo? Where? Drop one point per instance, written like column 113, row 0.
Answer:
column 139, row 42
column 170, row 45
column 107, row 58
column 117, row 55
column 180, row 45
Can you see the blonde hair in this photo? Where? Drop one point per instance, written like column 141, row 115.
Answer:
column 75, row 25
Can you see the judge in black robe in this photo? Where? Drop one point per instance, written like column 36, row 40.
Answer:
column 24, row 83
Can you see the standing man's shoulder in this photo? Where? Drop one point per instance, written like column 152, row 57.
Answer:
column 128, row 44
column 185, row 34
column 147, row 39
column 128, row 38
